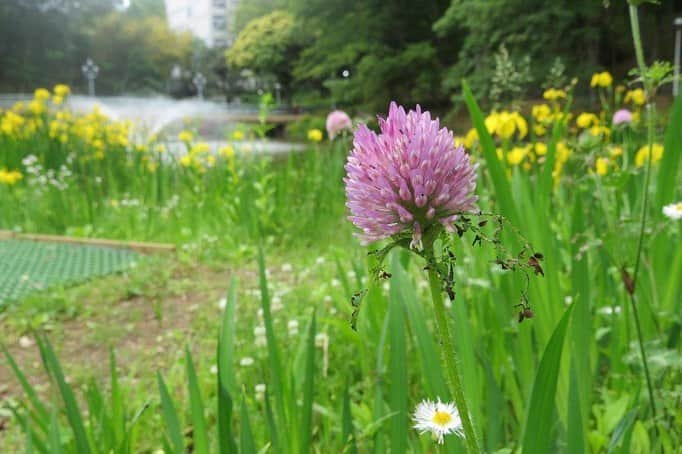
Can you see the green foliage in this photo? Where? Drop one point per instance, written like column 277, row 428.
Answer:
column 299, row 128
column 41, row 45
column 267, row 45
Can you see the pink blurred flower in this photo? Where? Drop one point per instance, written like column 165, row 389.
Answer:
column 622, row 116
column 338, row 121
column 408, row 178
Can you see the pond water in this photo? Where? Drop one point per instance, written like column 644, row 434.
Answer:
column 166, row 116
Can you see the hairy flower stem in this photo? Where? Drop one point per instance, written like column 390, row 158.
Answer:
column 449, row 354
column 650, row 108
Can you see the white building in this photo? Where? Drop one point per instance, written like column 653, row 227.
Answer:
column 212, row 21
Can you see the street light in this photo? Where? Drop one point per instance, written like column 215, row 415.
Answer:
column 345, row 74
column 678, row 44
column 199, row 81
column 90, row 71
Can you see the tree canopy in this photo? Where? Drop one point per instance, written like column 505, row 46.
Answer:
column 420, row 51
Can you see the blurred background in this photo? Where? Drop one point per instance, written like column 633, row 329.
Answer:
column 310, row 52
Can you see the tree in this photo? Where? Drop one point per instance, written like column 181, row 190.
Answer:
column 267, row 45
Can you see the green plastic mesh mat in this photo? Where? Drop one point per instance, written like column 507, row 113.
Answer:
column 29, row 266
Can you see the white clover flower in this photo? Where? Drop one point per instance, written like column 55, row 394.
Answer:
column 321, row 340
column 673, row 211
column 259, row 334
column 438, row 418
column 292, row 326
column 276, row 304
column 246, row 361
column 609, row 310
column 260, row 391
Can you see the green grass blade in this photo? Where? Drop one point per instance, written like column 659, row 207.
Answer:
column 42, row 414
column 199, row 431
column 117, row 407
column 246, row 443
column 575, row 438
column 621, row 429
column 272, row 426
column 54, row 439
column 502, row 189
column 71, row 406
column 428, row 354
column 397, row 366
column 308, row 390
column 547, row 175
column 31, row 434
column 670, row 162
column 225, row 381
column 537, row 433
column 276, row 369
column 347, row 433
column 170, row 416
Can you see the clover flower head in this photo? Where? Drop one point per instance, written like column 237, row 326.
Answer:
column 622, row 116
column 407, row 178
column 337, row 122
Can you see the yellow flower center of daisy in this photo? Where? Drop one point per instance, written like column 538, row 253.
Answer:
column 678, row 207
column 441, row 418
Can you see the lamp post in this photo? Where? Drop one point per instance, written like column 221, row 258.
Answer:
column 678, row 44
column 199, row 81
column 90, row 71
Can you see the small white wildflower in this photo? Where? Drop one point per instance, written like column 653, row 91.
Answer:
column 673, row 211
column 320, row 260
column 214, row 369
column 246, row 361
column 386, row 286
column 336, row 283
column 25, row 342
column 260, row 391
column 568, row 300
column 222, row 302
column 327, row 299
column 292, row 326
column 438, row 418
column 609, row 310
column 276, row 304
column 321, row 340
column 287, row 268
column 259, row 334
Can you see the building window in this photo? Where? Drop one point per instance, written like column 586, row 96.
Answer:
column 219, row 22
column 219, row 3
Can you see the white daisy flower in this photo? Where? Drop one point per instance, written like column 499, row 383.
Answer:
column 438, row 418
column 673, row 211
